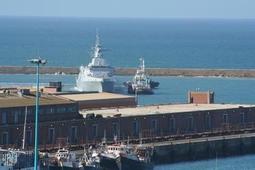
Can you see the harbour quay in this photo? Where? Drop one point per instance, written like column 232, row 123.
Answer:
column 226, row 144
column 175, row 130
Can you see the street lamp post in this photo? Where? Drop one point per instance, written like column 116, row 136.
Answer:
column 37, row 62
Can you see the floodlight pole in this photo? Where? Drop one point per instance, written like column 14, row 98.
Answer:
column 37, row 62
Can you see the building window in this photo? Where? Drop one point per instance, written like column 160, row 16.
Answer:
column 51, row 110
column 29, row 137
column 5, row 138
column 135, row 128
column 242, row 118
column 208, row 121
column 61, row 109
column 41, row 110
column 190, row 123
column 74, row 134
column 71, row 109
column 154, row 125
column 95, row 130
column 51, row 135
column 225, row 118
column 172, row 124
column 115, row 129
column 4, row 117
column 30, row 111
column 16, row 116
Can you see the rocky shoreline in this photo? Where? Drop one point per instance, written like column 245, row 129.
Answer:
column 248, row 73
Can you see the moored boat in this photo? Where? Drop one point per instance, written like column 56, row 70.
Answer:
column 66, row 160
column 91, row 160
column 127, row 163
column 126, row 157
column 109, row 156
column 141, row 83
column 139, row 158
column 12, row 159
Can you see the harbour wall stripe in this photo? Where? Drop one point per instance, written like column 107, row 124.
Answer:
column 249, row 73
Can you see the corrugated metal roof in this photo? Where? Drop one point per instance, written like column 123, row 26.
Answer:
column 162, row 109
column 8, row 101
column 94, row 96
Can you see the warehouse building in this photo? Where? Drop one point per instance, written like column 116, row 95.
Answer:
column 65, row 119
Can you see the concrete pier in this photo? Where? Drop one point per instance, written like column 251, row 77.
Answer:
column 204, row 148
column 131, row 71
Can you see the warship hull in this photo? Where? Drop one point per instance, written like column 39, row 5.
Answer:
column 96, row 86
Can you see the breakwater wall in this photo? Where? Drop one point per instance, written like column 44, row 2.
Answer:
column 131, row 71
column 204, row 148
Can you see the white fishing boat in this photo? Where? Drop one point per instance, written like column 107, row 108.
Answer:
column 110, row 155
column 66, row 160
column 91, row 160
column 97, row 76
column 125, row 157
column 12, row 159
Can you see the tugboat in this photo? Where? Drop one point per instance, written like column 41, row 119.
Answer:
column 141, row 83
column 154, row 84
column 97, row 76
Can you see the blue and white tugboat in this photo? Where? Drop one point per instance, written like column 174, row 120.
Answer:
column 97, row 76
column 141, row 83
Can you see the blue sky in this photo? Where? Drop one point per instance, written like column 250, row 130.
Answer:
column 131, row 8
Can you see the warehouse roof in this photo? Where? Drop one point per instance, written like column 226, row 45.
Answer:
column 94, row 96
column 13, row 100
column 161, row 109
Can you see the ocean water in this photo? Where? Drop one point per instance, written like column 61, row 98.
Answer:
column 171, row 89
column 179, row 43
column 162, row 42
column 232, row 163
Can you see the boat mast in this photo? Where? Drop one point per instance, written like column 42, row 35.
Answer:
column 143, row 67
column 24, row 129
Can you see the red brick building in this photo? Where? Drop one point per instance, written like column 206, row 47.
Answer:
column 198, row 97
column 165, row 120
column 61, row 122
column 59, row 118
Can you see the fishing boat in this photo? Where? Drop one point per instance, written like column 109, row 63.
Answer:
column 125, row 157
column 141, row 159
column 91, row 160
column 65, row 160
column 141, row 83
column 97, row 76
column 12, row 159
column 108, row 157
